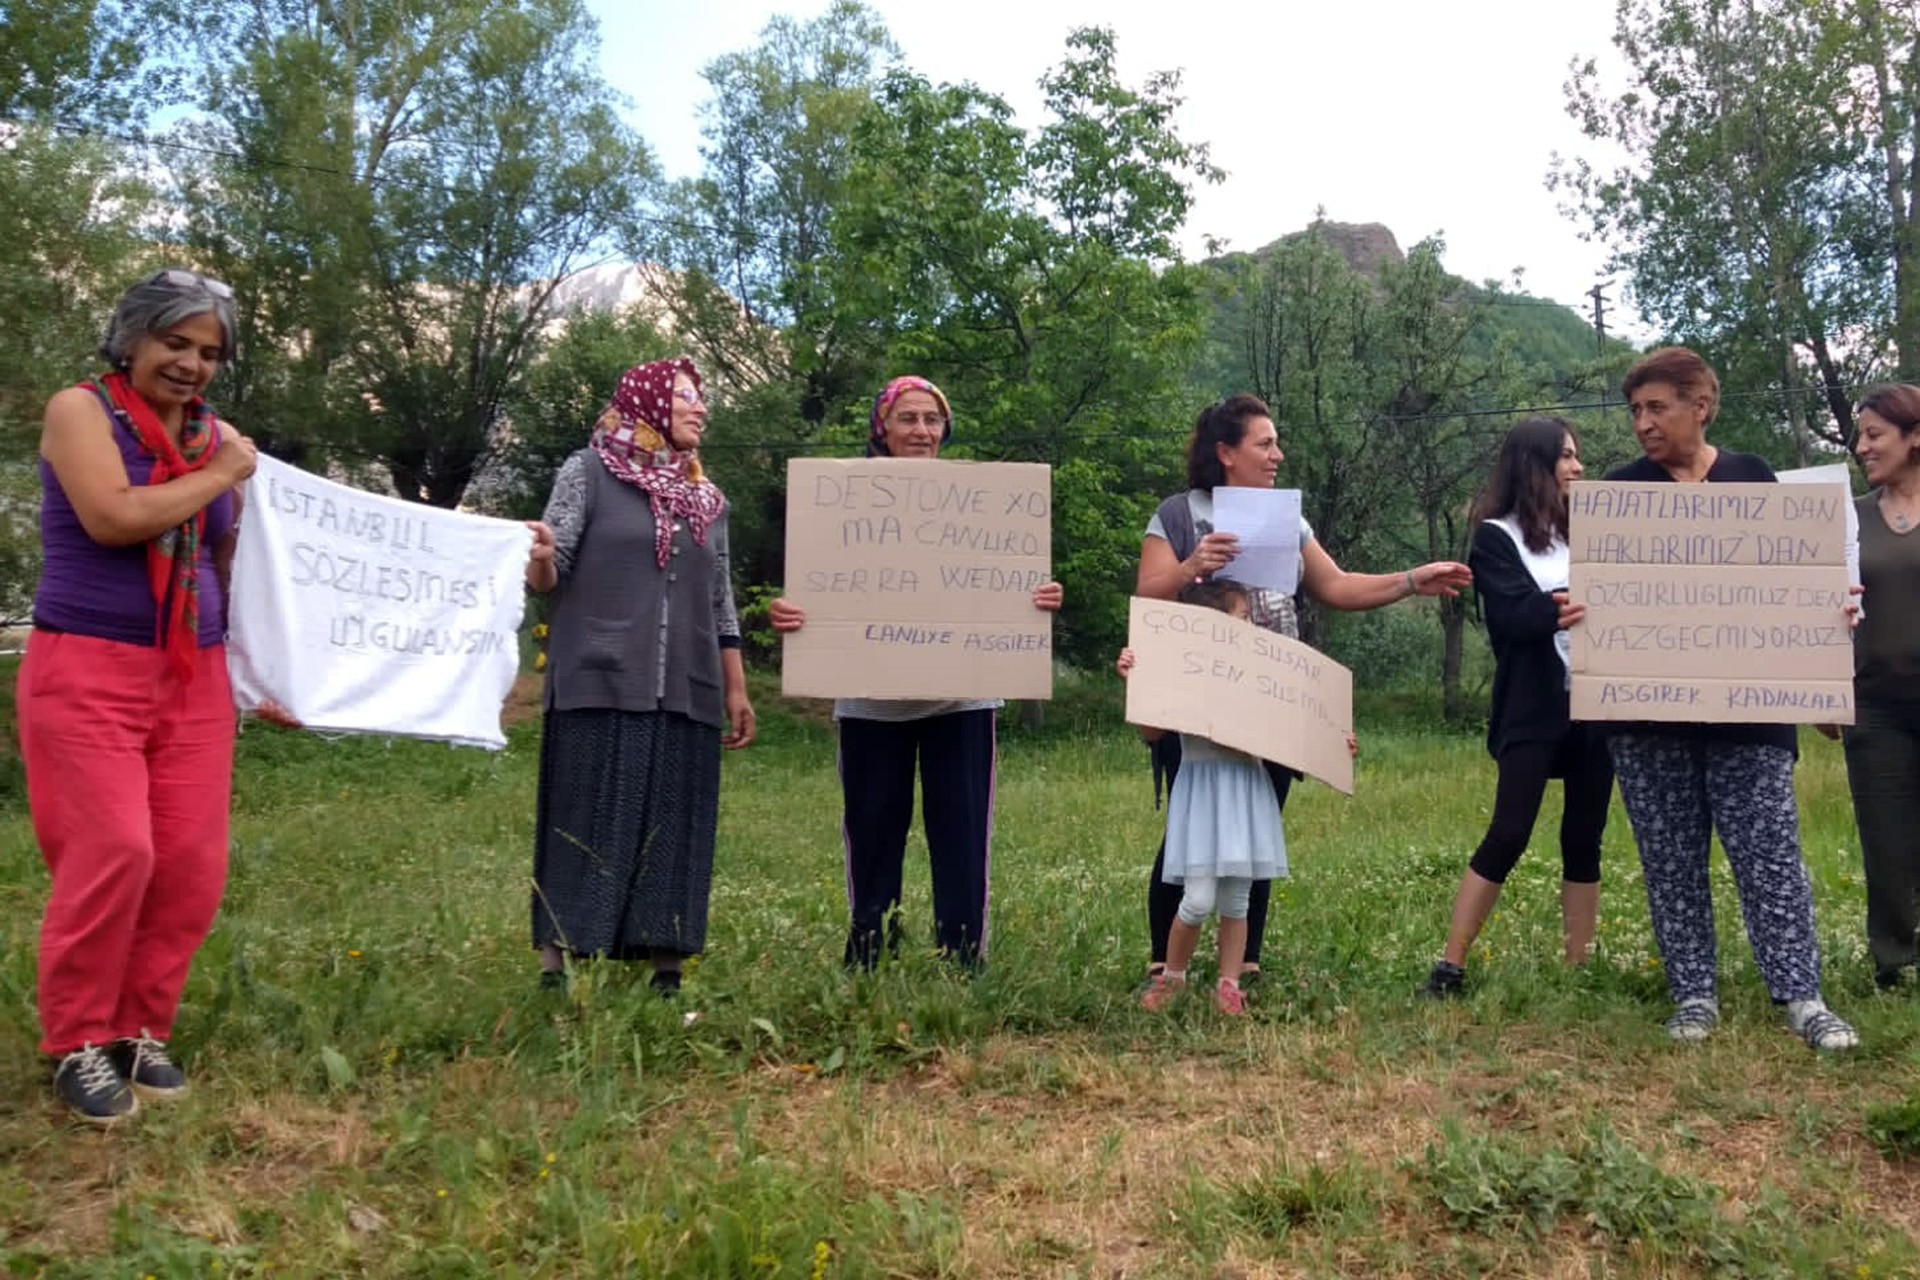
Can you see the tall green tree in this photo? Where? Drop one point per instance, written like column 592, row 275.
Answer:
column 413, row 187
column 72, row 208
column 1382, row 385
column 1037, row 279
column 751, row 235
column 1766, row 208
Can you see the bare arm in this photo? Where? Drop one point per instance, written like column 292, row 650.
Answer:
column 1328, row 583
column 223, row 550
column 76, row 439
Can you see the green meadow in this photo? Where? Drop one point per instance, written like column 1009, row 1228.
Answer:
column 381, row 1090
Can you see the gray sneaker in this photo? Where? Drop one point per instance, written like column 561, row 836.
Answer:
column 93, row 1088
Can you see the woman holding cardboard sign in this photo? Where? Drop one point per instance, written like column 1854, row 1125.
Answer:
column 1234, row 444
column 644, row 684
column 1682, row 782
column 880, row 739
column 1883, row 743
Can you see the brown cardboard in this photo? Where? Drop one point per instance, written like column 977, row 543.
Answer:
column 1731, row 622
column 917, row 576
column 1703, row 700
column 1207, row 673
column 1711, row 603
column 1702, row 525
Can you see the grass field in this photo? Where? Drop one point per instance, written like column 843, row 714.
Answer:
column 380, row 1090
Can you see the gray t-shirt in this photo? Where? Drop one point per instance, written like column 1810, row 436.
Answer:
column 1271, row 610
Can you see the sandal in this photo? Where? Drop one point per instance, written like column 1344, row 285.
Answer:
column 1823, row 1029
column 1693, row 1021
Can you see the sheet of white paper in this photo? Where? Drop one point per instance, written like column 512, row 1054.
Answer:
column 1267, row 522
column 1835, row 473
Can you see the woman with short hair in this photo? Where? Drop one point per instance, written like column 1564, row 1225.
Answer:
column 126, row 716
column 1683, row 782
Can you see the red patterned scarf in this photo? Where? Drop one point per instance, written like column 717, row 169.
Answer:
column 634, row 437
column 173, row 558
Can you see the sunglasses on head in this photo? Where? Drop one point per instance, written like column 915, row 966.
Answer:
column 190, row 279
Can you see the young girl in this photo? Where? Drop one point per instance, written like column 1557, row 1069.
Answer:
column 1519, row 562
column 1223, row 833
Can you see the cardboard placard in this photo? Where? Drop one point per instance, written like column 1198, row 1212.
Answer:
column 1207, row 673
column 1712, row 603
column 917, row 577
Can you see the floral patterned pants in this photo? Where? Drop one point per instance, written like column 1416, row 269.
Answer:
column 1678, row 791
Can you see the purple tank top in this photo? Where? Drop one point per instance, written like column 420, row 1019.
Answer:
column 100, row 591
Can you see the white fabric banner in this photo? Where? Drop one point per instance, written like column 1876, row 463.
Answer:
column 365, row 614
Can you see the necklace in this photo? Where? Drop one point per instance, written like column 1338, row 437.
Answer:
column 1901, row 520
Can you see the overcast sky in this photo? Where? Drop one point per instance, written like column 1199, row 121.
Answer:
column 1429, row 117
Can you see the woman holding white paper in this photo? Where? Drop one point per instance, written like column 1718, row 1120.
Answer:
column 1680, row 783
column 1235, row 445
column 953, row 741
column 1883, row 743
column 1520, row 564
column 645, row 684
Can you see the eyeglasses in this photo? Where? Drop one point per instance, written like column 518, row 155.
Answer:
column 912, row 418
column 193, row 279
column 687, row 395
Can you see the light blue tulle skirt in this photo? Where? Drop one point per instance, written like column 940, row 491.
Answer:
column 1222, row 819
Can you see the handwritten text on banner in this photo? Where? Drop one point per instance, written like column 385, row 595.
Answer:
column 1711, row 603
column 365, row 614
column 1208, row 673
column 917, row 577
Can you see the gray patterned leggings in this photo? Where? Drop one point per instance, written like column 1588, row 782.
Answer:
column 1678, row 791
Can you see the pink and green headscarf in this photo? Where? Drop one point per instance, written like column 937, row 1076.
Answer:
column 877, row 425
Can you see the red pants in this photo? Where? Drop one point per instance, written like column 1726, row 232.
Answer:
column 129, row 776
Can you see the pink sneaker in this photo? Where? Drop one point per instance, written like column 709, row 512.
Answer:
column 1229, row 998
column 1161, row 991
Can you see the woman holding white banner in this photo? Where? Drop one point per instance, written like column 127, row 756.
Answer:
column 1883, row 743
column 1520, row 564
column 1235, row 445
column 126, row 715
column 645, row 684
column 953, row 740
column 1682, row 782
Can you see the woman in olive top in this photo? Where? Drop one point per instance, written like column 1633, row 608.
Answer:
column 1883, row 744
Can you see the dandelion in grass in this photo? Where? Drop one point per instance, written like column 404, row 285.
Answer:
column 440, row 1194
column 822, row 1255
column 353, row 955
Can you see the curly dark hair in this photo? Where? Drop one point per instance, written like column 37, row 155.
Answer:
column 1223, row 422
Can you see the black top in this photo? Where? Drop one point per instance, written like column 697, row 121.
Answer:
column 1529, row 678
column 1728, row 468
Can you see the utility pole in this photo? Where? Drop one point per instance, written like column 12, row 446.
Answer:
column 1597, row 293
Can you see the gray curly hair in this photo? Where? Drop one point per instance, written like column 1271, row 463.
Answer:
column 162, row 301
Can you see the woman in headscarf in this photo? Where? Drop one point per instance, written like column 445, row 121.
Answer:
column 126, row 716
column 645, row 684
column 953, row 739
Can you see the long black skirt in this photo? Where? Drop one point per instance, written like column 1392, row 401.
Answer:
column 624, row 831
